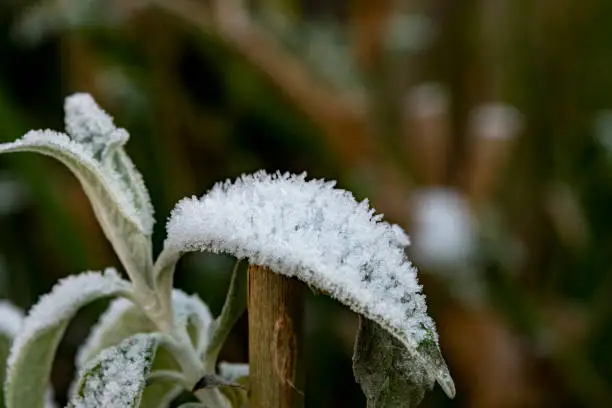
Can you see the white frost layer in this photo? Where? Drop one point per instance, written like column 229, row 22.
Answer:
column 118, row 375
column 319, row 234
column 64, row 300
column 11, row 319
column 86, row 121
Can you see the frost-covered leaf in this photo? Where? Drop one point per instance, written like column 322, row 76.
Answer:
column 117, row 377
column 322, row 236
column 33, row 350
column 124, row 319
column 389, row 375
column 94, row 153
column 11, row 319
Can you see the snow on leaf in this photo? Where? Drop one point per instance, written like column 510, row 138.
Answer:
column 87, row 123
column 322, row 236
column 94, row 153
column 117, row 377
column 33, row 350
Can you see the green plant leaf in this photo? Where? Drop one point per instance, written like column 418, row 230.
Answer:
column 118, row 375
column 11, row 320
column 33, row 350
column 124, row 319
column 389, row 375
column 94, row 153
column 121, row 320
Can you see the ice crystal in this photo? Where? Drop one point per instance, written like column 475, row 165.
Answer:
column 117, row 377
column 87, row 123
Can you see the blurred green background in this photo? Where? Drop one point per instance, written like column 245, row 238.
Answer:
column 483, row 127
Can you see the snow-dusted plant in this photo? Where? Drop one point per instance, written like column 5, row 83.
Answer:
column 154, row 341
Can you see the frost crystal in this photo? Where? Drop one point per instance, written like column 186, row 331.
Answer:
column 319, row 234
column 117, row 377
column 86, row 122
column 11, row 319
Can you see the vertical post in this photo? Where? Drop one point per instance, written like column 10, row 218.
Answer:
column 275, row 320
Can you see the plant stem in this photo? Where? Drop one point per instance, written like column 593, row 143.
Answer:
column 275, row 320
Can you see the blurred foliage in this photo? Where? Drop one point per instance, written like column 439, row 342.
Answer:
column 382, row 96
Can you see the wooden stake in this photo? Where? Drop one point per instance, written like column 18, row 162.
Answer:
column 275, row 310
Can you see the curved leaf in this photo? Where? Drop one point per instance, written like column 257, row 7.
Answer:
column 388, row 373
column 124, row 319
column 322, row 236
column 94, row 153
column 11, row 319
column 117, row 377
column 121, row 320
column 33, row 350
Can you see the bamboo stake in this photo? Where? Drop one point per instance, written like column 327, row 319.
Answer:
column 275, row 320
